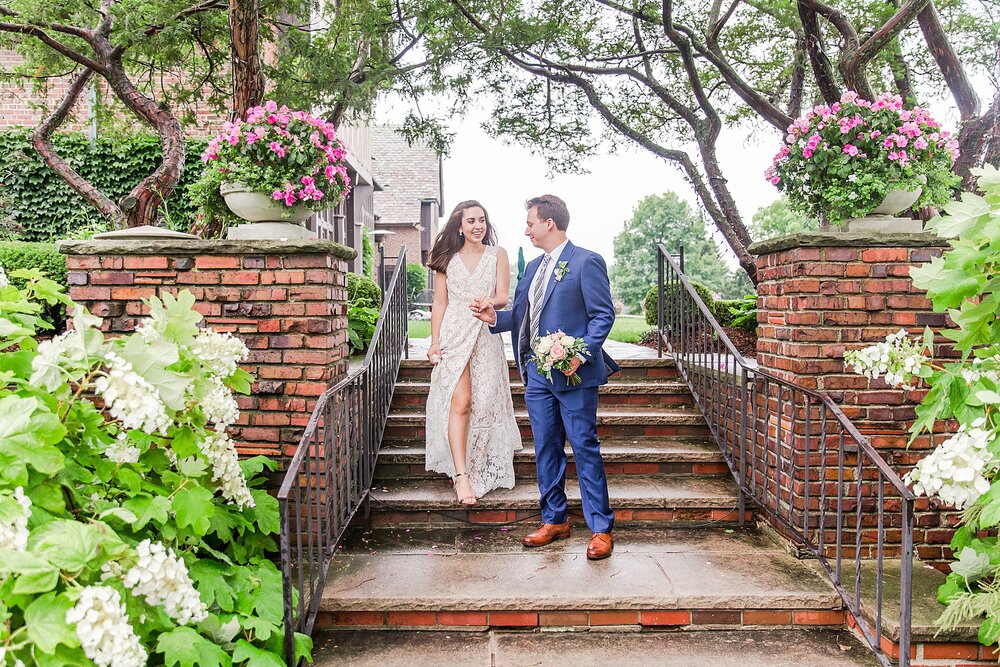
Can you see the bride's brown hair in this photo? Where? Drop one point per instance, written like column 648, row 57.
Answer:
column 449, row 241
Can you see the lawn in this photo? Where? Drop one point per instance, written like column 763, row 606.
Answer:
column 627, row 328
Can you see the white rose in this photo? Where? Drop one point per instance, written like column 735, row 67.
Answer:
column 567, row 341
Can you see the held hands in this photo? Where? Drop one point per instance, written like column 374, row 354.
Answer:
column 574, row 366
column 434, row 354
column 482, row 309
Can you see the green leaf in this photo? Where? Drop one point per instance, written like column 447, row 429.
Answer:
column 989, row 631
column 39, row 582
column 23, row 563
column 210, row 577
column 179, row 314
column 240, row 381
column 962, row 215
column 148, row 508
column 255, row 657
column 185, row 647
column 150, row 360
column 950, row 588
column 971, row 566
column 70, row 545
column 45, row 619
column 265, row 514
column 219, row 632
column 194, row 508
column 262, row 629
column 28, row 431
column 303, row 647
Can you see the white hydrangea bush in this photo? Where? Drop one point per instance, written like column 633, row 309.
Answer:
column 129, row 527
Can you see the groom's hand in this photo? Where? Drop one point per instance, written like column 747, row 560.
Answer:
column 574, row 365
column 482, row 309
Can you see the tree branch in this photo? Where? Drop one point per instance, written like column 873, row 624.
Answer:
column 796, row 88
column 854, row 61
column 40, row 139
column 822, row 68
column 948, row 62
column 56, row 45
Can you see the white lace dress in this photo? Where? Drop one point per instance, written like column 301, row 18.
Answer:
column 466, row 341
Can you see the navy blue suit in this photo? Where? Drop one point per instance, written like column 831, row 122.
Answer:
column 579, row 305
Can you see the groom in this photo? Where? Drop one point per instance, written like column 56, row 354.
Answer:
column 565, row 289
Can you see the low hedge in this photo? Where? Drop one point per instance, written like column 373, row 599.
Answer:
column 721, row 311
column 649, row 303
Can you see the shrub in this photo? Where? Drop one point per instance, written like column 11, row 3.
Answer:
column 738, row 313
column 367, row 256
column 416, row 279
column 128, row 526
column 37, row 205
column 48, row 260
column 649, row 303
column 721, row 311
column 362, row 288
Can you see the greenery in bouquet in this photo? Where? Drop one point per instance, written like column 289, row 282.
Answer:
column 130, row 531
column 963, row 470
column 555, row 352
column 840, row 161
column 291, row 156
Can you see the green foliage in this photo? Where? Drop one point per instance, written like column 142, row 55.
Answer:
column 365, row 300
column 778, row 219
column 670, row 292
column 109, row 450
column 668, row 220
column 361, row 288
column 40, row 206
column 739, row 313
column 44, row 257
column 416, row 279
column 367, row 256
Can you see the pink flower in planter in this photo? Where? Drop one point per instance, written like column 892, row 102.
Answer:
column 277, row 148
column 270, row 105
column 851, row 150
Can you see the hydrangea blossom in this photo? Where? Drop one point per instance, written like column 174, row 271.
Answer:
column 15, row 535
column 121, row 451
column 54, row 356
column 957, row 470
column 221, row 453
column 974, row 374
column 130, row 398
column 4, row 282
column 147, row 329
column 105, row 633
column 162, row 579
column 898, row 358
column 220, row 405
column 219, row 352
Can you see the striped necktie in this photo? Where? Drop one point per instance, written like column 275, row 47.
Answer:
column 537, row 293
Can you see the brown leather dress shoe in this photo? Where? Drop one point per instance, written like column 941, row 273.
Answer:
column 601, row 545
column 548, row 532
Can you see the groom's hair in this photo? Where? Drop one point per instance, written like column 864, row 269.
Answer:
column 550, row 206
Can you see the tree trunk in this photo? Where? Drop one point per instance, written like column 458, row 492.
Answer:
column 40, row 139
column 143, row 203
column 248, row 78
column 822, row 68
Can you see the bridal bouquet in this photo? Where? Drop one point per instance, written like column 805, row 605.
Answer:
column 555, row 352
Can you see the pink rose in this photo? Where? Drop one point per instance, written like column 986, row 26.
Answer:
column 558, row 352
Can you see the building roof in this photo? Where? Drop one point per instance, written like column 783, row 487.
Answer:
column 408, row 173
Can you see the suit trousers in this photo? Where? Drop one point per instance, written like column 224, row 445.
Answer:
column 555, row 417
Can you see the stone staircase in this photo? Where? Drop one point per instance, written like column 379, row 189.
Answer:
column 681, row 563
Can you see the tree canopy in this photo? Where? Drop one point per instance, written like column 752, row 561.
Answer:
column 778, row 219
column 668, row 220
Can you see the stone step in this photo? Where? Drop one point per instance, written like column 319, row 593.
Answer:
column 413, row 393
column 635, row 498
column 612, row 421
column 758, row 647
column 628, row 456
column 657, row 577
column 631, row 370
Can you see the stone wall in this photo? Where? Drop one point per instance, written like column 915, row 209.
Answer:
column 287, row 300
column 822, row 294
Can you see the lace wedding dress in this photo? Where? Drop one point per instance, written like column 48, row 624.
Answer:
column 467, row 341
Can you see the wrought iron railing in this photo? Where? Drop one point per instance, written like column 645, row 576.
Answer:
column 330, row 475
column 800, row 461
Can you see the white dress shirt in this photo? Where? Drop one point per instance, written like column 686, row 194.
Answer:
column 549, row 270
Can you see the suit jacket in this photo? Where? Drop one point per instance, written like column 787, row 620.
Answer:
column 579, row 305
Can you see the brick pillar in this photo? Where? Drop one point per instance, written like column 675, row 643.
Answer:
column 823, row 293
column 287, row 300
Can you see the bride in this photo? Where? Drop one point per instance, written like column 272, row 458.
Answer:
column 471, row 431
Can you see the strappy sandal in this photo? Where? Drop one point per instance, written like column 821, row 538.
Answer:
column 463, row 500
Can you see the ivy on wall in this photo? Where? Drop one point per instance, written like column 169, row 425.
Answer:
column 37, row 205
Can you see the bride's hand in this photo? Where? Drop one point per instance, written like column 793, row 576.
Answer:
column 434, row 354
column 482, row 308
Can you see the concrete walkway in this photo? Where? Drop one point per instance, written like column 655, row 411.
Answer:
column 617, row 350
column 707, row 648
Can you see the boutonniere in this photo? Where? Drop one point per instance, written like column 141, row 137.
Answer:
column 561, row 270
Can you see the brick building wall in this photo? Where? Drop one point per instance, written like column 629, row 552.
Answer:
column 285, row 299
